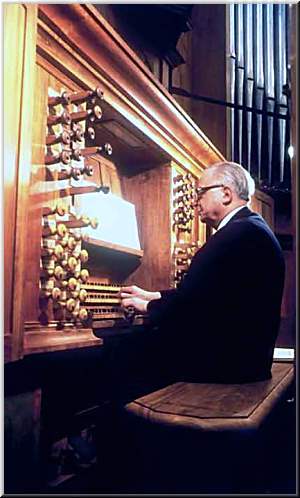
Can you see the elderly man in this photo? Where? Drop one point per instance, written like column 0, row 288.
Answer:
column 221, row 323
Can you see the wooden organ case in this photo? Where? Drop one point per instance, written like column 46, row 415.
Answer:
column 85, row 117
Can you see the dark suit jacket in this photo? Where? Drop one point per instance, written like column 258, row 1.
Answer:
column 221, row 323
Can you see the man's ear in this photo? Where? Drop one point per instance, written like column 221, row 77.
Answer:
column 227, row 196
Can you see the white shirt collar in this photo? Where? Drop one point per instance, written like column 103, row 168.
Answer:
column 229, row 216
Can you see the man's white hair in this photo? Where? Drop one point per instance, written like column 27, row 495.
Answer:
column 235, row 176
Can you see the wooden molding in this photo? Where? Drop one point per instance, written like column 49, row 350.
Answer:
column 20, row 45
column 138, row 253
column 39, row 339
column 76, row 35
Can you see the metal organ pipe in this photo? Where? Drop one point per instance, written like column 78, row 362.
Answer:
column 259, row 76
column 240, row 75
column 232, row 69
column 269, row 79
column 257, row 58
column 249, row 75
column 281, row 80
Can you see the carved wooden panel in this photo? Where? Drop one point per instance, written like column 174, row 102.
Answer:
column 264, row 204
column 150, row 192
column 19, row 54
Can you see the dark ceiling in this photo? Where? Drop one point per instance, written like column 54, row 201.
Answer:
column 158, row 25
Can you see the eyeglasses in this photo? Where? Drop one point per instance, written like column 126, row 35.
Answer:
column 200, row 191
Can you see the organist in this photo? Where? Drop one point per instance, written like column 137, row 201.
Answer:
column 221, row 323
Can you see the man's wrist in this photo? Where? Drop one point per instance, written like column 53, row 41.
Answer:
column 156, row 295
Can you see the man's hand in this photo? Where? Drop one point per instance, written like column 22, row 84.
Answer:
column 133, row 291
column 140, row 305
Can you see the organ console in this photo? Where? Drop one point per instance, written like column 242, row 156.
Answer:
column 63, row 118
column 88, row 169
column 65, row 174
column 182, row 256
column 183, row 208
column 53, row 139
column 88, row 207
column 89, row 95
column 85, row 189
column 88, row 151
column 78, row 134
column 76, row 98
column 90, row 133
column 77, row 256
column 64, row 98
column 60, row 209
column 91, row 114
column 49, row 230
column 76, row 154
column 63, row 157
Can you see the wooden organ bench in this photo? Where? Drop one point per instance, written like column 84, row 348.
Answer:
column 196, row 437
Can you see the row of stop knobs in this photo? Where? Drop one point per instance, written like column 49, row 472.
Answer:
column 183, row 254
column 61, row 282
column 183, row 193
column 61, row 228
column 62, row 256
column 73, row 132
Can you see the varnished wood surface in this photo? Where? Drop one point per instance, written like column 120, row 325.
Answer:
column 213, row 407
column 150, row 193
column 77, row 49
column 37, row 184
column 45, row 340
column 12, row 93
column 263, row 204
column 114, row 247
column 85, row 37
column 110, row 262
column 20, row 44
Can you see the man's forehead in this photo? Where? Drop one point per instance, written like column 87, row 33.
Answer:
column 207, row 175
